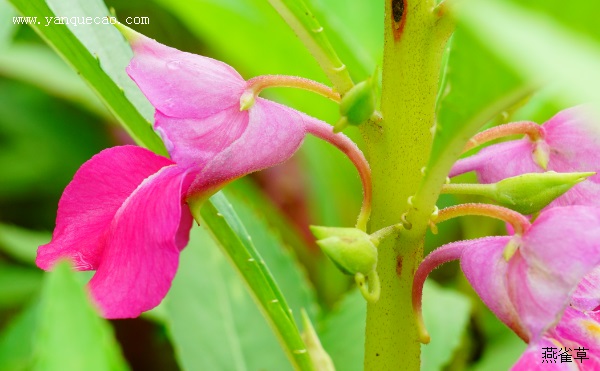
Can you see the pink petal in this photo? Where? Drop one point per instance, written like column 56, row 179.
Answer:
column 143, row 245
column 581, row 330
column 587, row 295
column 532, row 358
column 574, row 139
column 194, row 142
column 499, row 161
column 561, row 247
column 183, row 85
column 90, row 202
column 273, row 134
column 486, row 270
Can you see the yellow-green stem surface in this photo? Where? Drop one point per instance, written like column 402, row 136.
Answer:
column 397, row 151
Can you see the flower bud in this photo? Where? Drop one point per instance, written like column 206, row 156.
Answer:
column 350, row 249
column 358, row 105
column 530, row 193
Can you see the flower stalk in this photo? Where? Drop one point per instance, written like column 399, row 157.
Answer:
column 518, row 221
column 534, row 131
column 257, row 84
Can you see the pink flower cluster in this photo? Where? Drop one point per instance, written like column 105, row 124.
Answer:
column 544, row 283
column 124, row 214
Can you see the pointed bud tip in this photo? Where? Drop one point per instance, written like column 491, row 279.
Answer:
column 530, row 193
column 247, row 100
column 130, row 35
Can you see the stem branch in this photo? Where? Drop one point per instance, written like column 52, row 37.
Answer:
column 299, row 17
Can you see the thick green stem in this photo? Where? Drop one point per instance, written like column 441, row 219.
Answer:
column 397, row 151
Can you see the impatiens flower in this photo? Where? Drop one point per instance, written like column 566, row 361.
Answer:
column 532, row 289
column 125, row 216
column 577, row 334
column 568, row 142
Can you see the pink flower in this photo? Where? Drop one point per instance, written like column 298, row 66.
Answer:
column 123, row 216
column 570, row 142
column 577, row 333
column 124, row 213
column 531, row 292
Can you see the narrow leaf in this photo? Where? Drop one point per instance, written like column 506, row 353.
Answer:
column 89, row 65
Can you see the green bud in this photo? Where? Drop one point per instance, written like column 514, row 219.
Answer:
column 358, row 105
column 350, row 249
column 530, row 193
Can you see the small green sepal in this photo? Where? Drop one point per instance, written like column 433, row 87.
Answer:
column 530, row 193
column 359, row 104
column 130, row 35
column 350, row 249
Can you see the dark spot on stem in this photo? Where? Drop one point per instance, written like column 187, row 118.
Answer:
column 376, row 354
column 399, row 265
column 397, row 9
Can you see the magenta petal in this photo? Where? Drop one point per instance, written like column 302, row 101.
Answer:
column 143, row 245
column 532, row 359
column 562, row 246
column 183, row 85
column 485, row 268
column 274, row 132
column 90, row 202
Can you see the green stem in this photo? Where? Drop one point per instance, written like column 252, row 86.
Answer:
column 397, row 151
column 299, row 17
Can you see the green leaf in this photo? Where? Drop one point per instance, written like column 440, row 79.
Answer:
column 18, row 285
column 280, row 259
column 329, row 282
column 7, row 27
column 503, row 347
column 342, row 332
column 22, row 62
column 20, row 243
column 16, row 341
column 209, row 298
column 233, row 238
column 70, row 335
column 446, row 314
column 566, row 52
column 223, row 304
column 99, row 54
